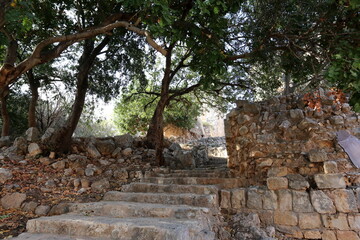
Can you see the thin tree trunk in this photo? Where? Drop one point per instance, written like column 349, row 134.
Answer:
column 34, row 86
column 5, row 131
column 287, row 88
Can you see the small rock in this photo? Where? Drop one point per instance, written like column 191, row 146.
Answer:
column 50, row 183
column 34, row 149
column 324, row 181
column 105, row 147
column 174, row 147
column 316, row 155
column 104, row 162
column 5, row 174
column 89, row 172
column 92, row 151
column 124, row 141
column 127, row 152
column 13, row 200
column 116, row 153
column 121, row 174
column 100, row 186
column 85, row 183
column 29, row 206
column 45, row 161
column 5, row 141
column 42, row 210
column 68, row 172
column 52, row 155
column 59, row 164
column 76, row 183
column 82, row 190
column 60, row 208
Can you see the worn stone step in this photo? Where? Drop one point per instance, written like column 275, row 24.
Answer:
column 39, row 236
column 170, row 188
column 134, row 209
column 217, row 174
column 121, row 228
column 197, row 200
column 221, row 182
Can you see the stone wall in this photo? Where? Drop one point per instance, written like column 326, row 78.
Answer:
column 299, row 179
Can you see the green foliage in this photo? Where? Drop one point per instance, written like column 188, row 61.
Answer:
column 133, row 115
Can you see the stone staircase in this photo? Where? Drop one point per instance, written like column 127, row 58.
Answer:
column 171, row 205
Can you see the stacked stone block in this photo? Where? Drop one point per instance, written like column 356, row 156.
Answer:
column 299, row 179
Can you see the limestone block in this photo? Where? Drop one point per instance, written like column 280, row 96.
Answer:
column 225, row 199
column 314, row 234
column 276, row 183
column 301, row 202
column 344, row 200
column 357, row 193
column 337, row 221
column 316, row 155
column 328, row 235
column 347, row 235
column 269, row 200
column 32, row 134
column 324, row 181
column 309, row 220
column 238, row 198
column 297, row 182
column 266, row 217
column 321, row 202
column 330, row 167
column 286, row 218
column 354, row 221
column 254, row 198
column 285, row 199
column 277, row 172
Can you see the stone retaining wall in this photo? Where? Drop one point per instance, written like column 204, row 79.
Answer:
column 298, row 178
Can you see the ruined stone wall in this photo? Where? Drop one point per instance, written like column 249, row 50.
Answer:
column 299, row 179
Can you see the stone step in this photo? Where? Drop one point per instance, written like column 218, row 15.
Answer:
column 170, row 188
column 120, row 228
column 191, row 174
column 197, row 200
column 225, row 183
column 133, row 209
column 39, row 236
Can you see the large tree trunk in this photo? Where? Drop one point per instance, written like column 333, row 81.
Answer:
column 62, row 138
column 5, row 131
column 155, row 133
column 34, row 86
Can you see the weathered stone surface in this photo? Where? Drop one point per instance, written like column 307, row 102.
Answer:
column 344, row 200
column 32, row 134
column 276, row 183
column 20, row 146
column 92, row 151
column 324, row 181
column 29, row 206
column 309, row 221
column 338, row 221
column 301, row 202
column 354, row 221
column 58, row 209
column 330, row 167
column 127, row 152
column 307, row 123
column 297, row 182
column 316, row 155
column 175, row 147
column 243, row 130
column 5, row 141
column 337, row 120
column 100, row 186
column 59, row 164
column 5, row 174
column 254, row 198
column 238, row 198
column 124, row 141
column 347, row 235
column 34, row 149
column 42, row 210
column 121, row 174
column 328, row 235
column 285, row 199
column 312, row 234
column 247, row 226
column 286, row 218
column 269, row 200
column 13, row 200
column 47, row 135
column 243, row 118
column 277, row 172
column 321, row 202
column 105, row 147
column 225, row 199
column 296, row 114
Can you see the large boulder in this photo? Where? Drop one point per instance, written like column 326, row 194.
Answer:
column 34, row 149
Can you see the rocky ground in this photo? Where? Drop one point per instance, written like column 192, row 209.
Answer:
column 34, row 182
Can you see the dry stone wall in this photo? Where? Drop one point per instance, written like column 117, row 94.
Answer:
column 298, row 179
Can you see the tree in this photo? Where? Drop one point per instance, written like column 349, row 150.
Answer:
column 133, row 114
